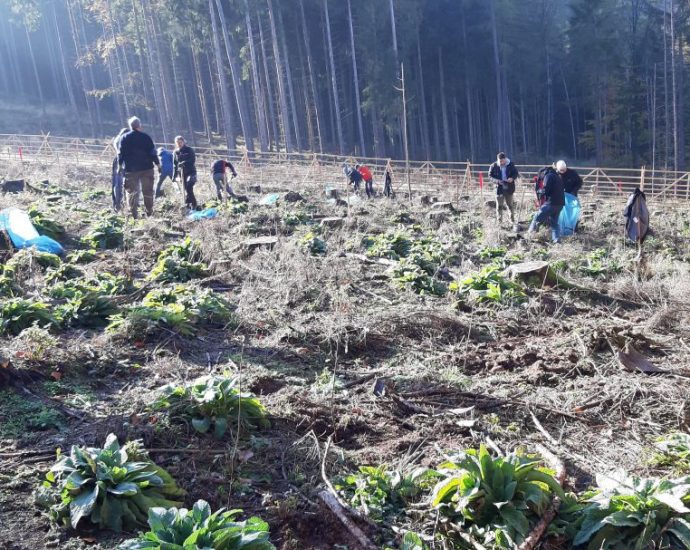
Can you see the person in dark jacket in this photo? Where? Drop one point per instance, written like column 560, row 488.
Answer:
column 355, row 179
column 166, row 160
column 219, row 170
column 571, row 179
column 550, row 210
column 136, row 158
column 117, row 175
column 185, row 167
column 388, row 184
column 503, row 174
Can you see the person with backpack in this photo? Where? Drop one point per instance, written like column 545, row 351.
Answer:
column 572, row 182
column 166, row 159
column 552, row 198
column 503, row 174
column 117, row 176
column 136, row 158
column 368, row 180
column 219, row 170
column 184, row 162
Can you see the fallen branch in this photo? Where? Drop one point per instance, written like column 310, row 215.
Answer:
column 540, row 528
column 332, row 503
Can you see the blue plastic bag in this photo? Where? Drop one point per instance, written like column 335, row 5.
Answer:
column 203, row 214
column 23, row 234
column 570, row 215
column 270, row 199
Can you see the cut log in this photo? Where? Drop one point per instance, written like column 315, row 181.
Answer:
column 332, row 222
column 443, row 207
column 490, row 205
column 536, row 274
column 292, row 196
column 258, row 242
column 334, row 507
column 13, row 186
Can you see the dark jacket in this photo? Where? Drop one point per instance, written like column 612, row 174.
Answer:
column 221, row 165
column 496, row 177
column 355, row 176
column 166, row 158
column 553, row 188
column 185, row 161
column 137, row 152
column 571, row 181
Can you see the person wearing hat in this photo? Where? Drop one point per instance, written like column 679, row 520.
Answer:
column 166, row 158
column 503, row 174
column 184, row 162
column 571, row 179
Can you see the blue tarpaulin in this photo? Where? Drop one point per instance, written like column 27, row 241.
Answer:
column 570, row 215
column 203, row 214
column 23, row 234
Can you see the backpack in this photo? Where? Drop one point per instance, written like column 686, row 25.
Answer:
column 637, row 214
column 539, row 185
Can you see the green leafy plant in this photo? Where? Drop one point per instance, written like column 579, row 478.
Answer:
column 179, row 309
column 106, row 233
column 389, row 245
column 313, row 244
column 35, row 342
column 9, row 287
column 102, row 283
column 488, row 285
column 599, row 262
column 182, row 529
column 81, row 257
column 45, row 225
column 490, row 252
column 179, row 262
column 113, row 487
column 16, row 314
column 493, row 500
column 632, row 512
column 408, row 274
column 213, row 403
column 86, row 309
column 234, row 207
column 673, row 450
column 381, row 491
column 63, row 272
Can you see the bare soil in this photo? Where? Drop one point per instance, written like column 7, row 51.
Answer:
column 317, row 333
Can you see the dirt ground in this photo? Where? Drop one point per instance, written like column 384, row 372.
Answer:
column 321, row 323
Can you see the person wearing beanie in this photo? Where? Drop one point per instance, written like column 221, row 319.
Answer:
column 572, row 182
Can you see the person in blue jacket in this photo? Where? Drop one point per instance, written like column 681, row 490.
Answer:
column 550, row 210
column 166, row 158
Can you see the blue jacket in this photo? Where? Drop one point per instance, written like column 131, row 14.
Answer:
column 166, row 158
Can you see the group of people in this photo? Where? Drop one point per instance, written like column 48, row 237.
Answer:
column 361, row 173
column 551, row 185
column 134, row 176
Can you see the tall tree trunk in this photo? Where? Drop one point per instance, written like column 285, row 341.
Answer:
column 334, row 82
column 81, row 71
column 201, row 92
column 444, row 107
column 310, row 69
column 667, row 110
column 355, row 74
column 282, row 83
column 89, row 69
column 422, row 95
column 468, row 93
column 269, row 88
column 256, row 80
column 674, row 89
column 288, row 77
column 39, row 86
column 65, row 71
column 500, row 123
column 225, row 96
column 240, row 98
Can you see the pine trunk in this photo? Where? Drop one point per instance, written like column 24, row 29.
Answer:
column 334, row 82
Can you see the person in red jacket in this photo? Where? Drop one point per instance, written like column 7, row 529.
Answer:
column 368, row 180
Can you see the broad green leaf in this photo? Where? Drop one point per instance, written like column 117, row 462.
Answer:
column 201, row 425
column 624, row 519
column 82, row 506
column 125, row 488
column 444, row 490
column 221, row 426
column 515, row 519
column 681, row 529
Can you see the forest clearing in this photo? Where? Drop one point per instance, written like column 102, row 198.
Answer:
column 371, row 342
